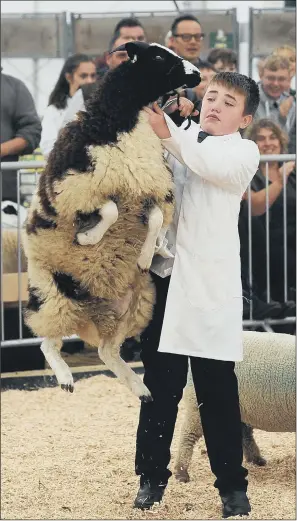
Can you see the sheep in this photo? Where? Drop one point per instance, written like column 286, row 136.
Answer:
column 101, row 210
column 266, row 380
column 10, row 252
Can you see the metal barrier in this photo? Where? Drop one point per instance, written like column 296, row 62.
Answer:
column 267, row 323
column 264, row 324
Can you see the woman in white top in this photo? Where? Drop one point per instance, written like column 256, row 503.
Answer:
column 77, row 70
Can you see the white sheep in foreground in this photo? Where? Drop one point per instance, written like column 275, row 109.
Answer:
column 103, row 200
column 267, row 393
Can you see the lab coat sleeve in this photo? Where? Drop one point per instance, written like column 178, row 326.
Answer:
column 75, row 105
column 226, row 162
column 230, row 164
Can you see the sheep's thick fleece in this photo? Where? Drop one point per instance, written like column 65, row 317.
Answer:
column 130, row 171
column 266, row 382
column 267, row 395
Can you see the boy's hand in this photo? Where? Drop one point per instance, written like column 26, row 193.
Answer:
column 186, row 108
column 157, row 121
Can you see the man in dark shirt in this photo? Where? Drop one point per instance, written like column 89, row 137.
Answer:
column 20, row 129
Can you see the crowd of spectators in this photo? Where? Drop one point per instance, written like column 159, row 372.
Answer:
column 274, row 131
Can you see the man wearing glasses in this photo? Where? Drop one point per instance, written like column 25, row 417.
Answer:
column 186, row 38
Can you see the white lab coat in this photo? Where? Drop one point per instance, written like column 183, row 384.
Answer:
column 161, row 266
column 203, row 315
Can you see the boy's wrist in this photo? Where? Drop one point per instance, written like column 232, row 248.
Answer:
column 162, row 130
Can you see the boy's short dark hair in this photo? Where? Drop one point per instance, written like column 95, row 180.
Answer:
column 227, row 56
column 126, row 22
column 183, row 18
column 241, row 84
column 204, row 64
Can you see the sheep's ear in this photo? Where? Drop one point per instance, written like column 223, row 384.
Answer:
column 133, row 49
column 136, row 48
column 120, row 48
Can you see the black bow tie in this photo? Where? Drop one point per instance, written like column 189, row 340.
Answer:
column 202, row 135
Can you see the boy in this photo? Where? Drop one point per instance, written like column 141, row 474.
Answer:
column 203, row 316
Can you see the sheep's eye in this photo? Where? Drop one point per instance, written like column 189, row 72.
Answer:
column 159, row 58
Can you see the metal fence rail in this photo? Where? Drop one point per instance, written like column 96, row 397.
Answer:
column 266, row 324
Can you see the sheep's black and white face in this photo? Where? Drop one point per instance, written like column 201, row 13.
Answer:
column 160, row 69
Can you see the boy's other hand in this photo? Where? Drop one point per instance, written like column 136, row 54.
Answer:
column 186, row 108
column 157, row 121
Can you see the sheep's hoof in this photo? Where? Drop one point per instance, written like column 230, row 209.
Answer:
column 142, row 270
column 67, row 387
column 182, row 476
column 259, row 461
column 146, row 398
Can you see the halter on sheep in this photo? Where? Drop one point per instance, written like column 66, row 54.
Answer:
column 103, row 200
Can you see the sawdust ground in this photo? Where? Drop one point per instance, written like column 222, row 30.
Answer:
column 72, row 457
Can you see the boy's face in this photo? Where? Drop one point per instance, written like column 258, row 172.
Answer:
column 222, row 111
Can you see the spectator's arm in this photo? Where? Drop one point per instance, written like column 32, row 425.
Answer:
column 26, row 122
column 13, row 147
column 258, row 199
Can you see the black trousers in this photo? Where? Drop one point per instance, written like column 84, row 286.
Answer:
column 216, row 389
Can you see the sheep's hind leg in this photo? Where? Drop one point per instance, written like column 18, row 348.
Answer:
column 106, row 217
column 155, row 221
column 110, row 355
column 51, row 350
column 191, row 432
column 250, row 448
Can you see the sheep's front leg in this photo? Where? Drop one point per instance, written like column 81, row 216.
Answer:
column 155, row 221
column 161, row 245
column 91, row 227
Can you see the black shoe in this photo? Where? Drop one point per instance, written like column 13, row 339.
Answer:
column 149, row 494
column 235, row 503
